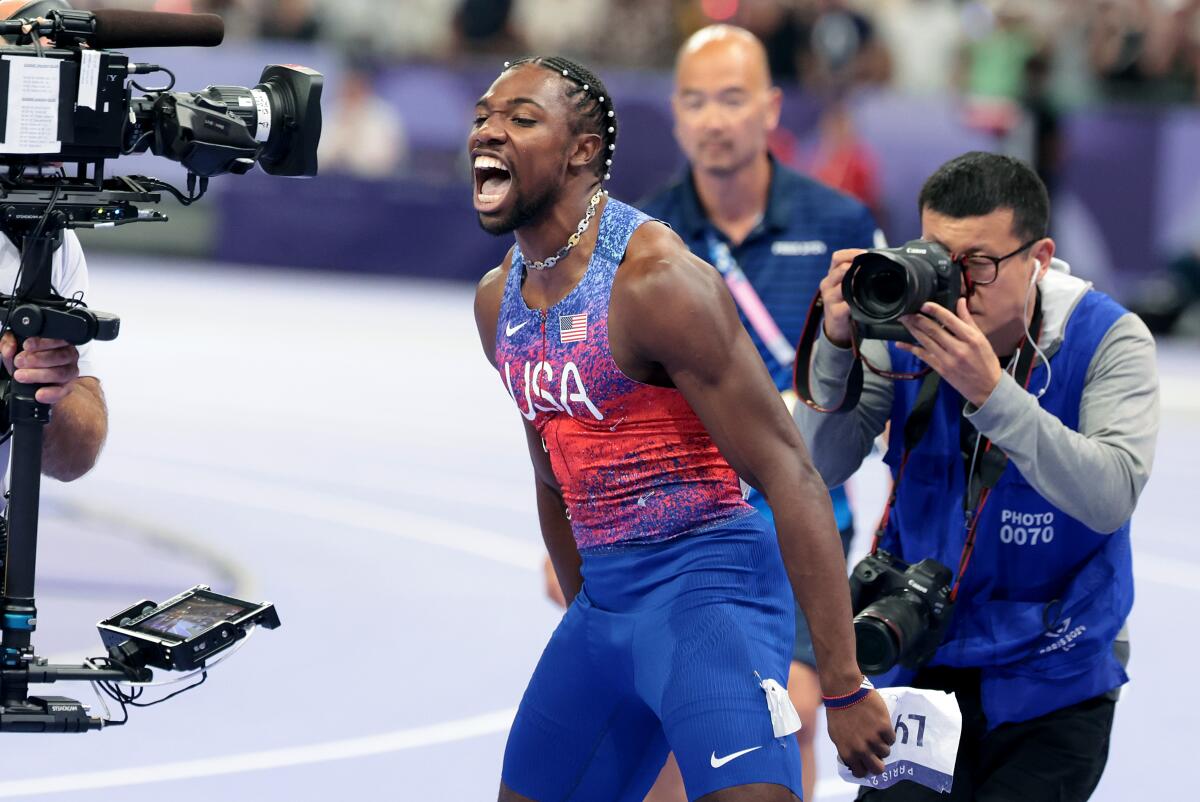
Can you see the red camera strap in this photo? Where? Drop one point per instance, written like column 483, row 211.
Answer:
column 802, row 368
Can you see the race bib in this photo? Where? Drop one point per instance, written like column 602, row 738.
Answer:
column 928, row 725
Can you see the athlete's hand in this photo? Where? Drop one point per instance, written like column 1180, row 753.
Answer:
column 52, row 363
column 837, row 311
column 863, row 734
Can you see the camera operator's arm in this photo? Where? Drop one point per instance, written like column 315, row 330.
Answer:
column 79, row 420
column 839, row 441
column 671, row 312
column 1097, row 473
column 77, row 430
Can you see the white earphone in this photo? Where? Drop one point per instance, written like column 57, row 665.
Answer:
column 1033, row 275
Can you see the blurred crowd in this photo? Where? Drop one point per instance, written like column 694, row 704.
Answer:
column 1014, row 62
column 1013, row 67
column 1017, row 64
column 1071, row 51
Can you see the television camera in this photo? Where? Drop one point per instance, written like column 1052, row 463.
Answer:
column 69, row 106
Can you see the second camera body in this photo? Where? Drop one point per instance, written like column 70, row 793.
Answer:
column 901, row 611
column 884, row 284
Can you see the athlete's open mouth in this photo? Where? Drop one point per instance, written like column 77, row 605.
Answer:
column 492, row 181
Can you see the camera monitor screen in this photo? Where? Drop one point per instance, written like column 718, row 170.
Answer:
column 190, row 617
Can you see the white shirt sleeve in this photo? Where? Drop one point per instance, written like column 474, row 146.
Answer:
column 69, row 277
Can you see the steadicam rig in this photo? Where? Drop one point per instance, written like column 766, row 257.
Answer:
column 71, row 107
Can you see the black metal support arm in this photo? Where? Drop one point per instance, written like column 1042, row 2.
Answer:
column 35, row 310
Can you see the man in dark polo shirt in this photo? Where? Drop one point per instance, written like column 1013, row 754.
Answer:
column 740, row 210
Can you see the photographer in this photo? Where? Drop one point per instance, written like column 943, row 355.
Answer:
column 79, row 419
column 1017, row 463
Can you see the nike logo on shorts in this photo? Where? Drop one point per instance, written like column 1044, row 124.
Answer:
column 511, row 330
column 718, row 762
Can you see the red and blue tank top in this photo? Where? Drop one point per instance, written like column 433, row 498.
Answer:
column 634, row 462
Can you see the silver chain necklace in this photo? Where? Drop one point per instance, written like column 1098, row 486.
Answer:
column 551, row 261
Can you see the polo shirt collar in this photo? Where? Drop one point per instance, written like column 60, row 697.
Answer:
column 779, row 203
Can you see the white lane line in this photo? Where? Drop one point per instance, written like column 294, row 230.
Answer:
column 462, row 729
column 338, row 510
column 503, row 491
column 120, row 525
column 335, row 510
column 430, row 530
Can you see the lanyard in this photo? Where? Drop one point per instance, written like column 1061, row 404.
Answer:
column 748, row 301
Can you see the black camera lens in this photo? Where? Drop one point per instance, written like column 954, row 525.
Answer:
column 284, row 113
column 877, row 649
column 880, row 289
column 229, row 129
column 883, row 287
column 885, row 631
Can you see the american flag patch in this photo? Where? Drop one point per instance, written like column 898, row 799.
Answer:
column 572, row 328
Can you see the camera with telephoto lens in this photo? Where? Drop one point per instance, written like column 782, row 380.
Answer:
column 901, row 611
column 883, row 284
column 70, row 98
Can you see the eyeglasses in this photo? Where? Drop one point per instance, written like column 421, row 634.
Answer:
column 983, row 270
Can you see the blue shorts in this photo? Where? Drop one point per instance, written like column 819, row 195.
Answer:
column 662, row 651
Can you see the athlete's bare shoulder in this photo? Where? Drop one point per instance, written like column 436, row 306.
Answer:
column 488, row 294
column 661, row 292
column 659, row 271
column 652, row 242
column 492, row 283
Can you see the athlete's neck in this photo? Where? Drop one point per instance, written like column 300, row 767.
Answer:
column 735, row 202
column 543, row 238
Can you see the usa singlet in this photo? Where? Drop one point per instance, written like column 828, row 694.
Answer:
column 685, row 609
column 634, row 462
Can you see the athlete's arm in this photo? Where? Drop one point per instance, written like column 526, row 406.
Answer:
column 552, row 512
column 552, row 515
column 672, row 310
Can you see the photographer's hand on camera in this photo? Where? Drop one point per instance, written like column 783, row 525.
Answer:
column 956, row 348
column 837, row 311
column 52, row 363
column 863, row 734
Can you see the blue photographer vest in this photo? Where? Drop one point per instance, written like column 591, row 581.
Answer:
column 1044, row 596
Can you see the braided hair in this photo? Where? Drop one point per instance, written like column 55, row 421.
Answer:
column 595, row 113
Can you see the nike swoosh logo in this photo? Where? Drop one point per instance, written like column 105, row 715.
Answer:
column 718, row 762
column 511, row 330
